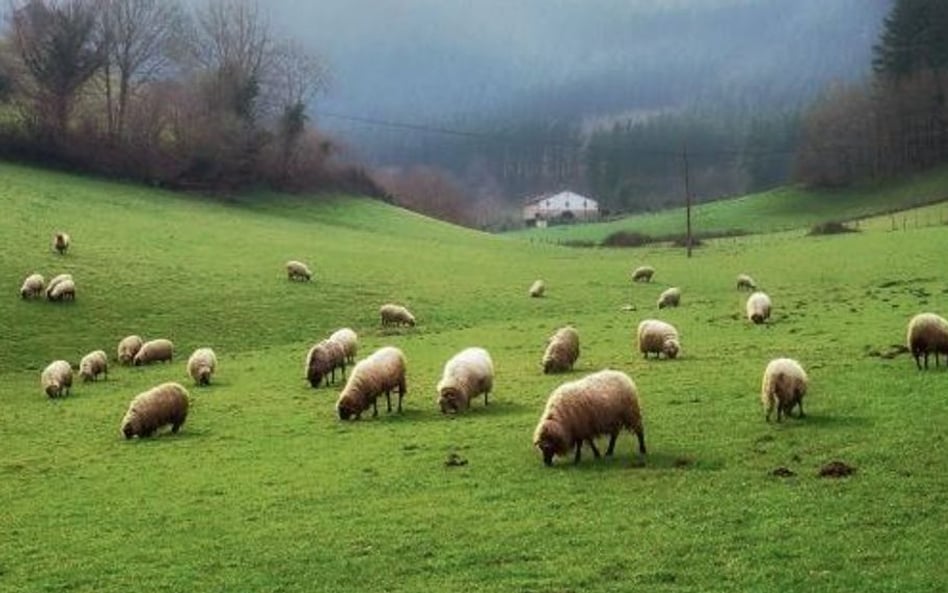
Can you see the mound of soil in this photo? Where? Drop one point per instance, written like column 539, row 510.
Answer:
column 455, row 460
column 836, row 469
column 783, row 472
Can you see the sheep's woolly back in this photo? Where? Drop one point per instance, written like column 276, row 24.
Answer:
column 379, row 373
column 643, row 274
column 745, row 282
column 32, row 286
column 467, row 375
column 55, row 281
column 927, row 333
column 297, row 269
column 658, row 337
column 758, row 307
column 56, row 378
column 349, row 341
column 154, row 351
column 392, row 314
column 671, row 297
column 562, row 350
column 537, row 288
column 94, row 364
column 128, row 348
column 598, row 404
column 64, row 290
column 201, row 365
column 150, row 410
column 323, row 359
column 783, row 386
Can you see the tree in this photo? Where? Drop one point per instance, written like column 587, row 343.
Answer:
column 914, row 38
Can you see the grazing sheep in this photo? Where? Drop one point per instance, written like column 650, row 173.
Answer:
column 56, row 280
column 322, row 360
column 296, row 270
column 380, row 373
column 927, row 333
column 32, row 286
column 562, row 350
column 783, row 387
column 61, row 242
column 201, row 365
column 349, row 341
column 669, row 298
column 467, row 375
column 745, row 282
column 128, row 348
column 150, row 410
column 62, row 291
column 643, row 274
column 94, row 364
column 658, row 337
column 159, row 350
column 598, row 404
column 537, row 289
column 396, row 315
column 56, row 379
column 758, row 307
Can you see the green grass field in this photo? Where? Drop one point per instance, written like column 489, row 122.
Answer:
column 264, row 489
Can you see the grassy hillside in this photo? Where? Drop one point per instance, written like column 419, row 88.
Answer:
column 265, row 489
column 776, row 210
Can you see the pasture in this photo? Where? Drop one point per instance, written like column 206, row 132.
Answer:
column 264, row 489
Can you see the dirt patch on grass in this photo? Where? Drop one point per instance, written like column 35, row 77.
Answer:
column 888, row 353
column 454, row 460
column 836, row 469
column 783, row 472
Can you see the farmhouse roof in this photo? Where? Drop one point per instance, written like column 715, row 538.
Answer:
column 547, row 195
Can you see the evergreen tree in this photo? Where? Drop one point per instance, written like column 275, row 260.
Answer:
column 914, row 38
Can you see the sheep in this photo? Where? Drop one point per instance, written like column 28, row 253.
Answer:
column 669, row 298
column 150, row 410
column 128, row 348
column 468, row 374
column 745, row 282
column 783, row 387
column 537, row 289
column 159, row 350
column 94, row 364
column 562, row 350
column 643, row 274
column 32, row 286
column 658, row 337
column 758, row 307
column 927, row 333
column 56, row 280
column 349, row 341
column 56, row 379
column 63, row 291
column 396, row 315
column 322, row 360
column 61, row 242
column 598, row 404
column 380, row 373
column 201, row 365
column 299, row 271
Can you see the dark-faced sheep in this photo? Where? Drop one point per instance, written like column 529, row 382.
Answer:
column 94, row 364
column 61, row 242
column 128, row 348
column 396, row 315
column 758, row 307
column 561, row 352
column 32, row 287
column 579, row 411
column 927, row 334
column 467, row 375
column 380, row 373
column 658, row 337
column 56, row 379
column 298, row 271
column 150, row 410
column 152, row 351
column 643, row 274
column 783, row 387
column 201, row 365
column 322, row 360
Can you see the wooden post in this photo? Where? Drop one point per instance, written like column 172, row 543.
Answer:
column 684, row 158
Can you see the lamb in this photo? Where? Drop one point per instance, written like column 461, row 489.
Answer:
column 61, row 242
column 159, row 350
column 537, row 289
column 758, row 307
column 298, row 271
column 349, row 341
column 783, row 387
column 658, row 337
column 62, row 291
column 396, row 315
column 56, row 379
column 380, row 373
column 128, row 348
column 150, row 410
column 94, row 364
column 468, row 374
column 201, row 365
column 56, row 280
column 598, row 404
column 745, row 282
column 643, row 274
column 32, row 286
column 669, row 298
column 562, row 350
column 927, row 333
column 322, row 360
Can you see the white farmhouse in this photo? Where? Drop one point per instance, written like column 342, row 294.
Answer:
column 565, row 206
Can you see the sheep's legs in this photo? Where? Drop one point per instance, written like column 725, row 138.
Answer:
column 612, row 443
column 579, row 451
column 388, row 399
column 375, row 408
column 641, row 436
column 592, row 445
column 401, row 393
column 486, row 393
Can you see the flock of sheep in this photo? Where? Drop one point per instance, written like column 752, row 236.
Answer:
column 576, row 413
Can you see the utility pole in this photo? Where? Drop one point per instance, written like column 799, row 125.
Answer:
column 684, row 158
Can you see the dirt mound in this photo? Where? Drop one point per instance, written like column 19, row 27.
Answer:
column 836, row 469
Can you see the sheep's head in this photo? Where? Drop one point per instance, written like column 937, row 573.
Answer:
column 411, row 321
column 86, row 375
column 448, row 400
column 204, row 376
column 53, row 389
column 662, row 304
column 128, row 430
column 671, row 348
column 757, row 318
column 345, row 410
column 550, row 441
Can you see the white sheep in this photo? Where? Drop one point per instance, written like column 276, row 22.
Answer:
column 466, row 375
column 322, row 360
column 55, row 281
column 643, row 274
column 63, row 291
column 296, row 270
column 380, row 373
column 658, row 337
column 32, row 286
column 537, row 289
column 160, row 350
column 395, row 315
column 349, row 341
column 758, row 307
column 927, row 333
column 128, row 347
column 56, row 379
column 745, row 282
column 201, row 365
column 671, row 297
column 598, row 404
column 167, row 403
column 783, row 387
column 61, row 242
column 562, row 350
column 94, row 364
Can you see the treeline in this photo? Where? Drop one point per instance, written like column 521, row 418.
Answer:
column 150, row 90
